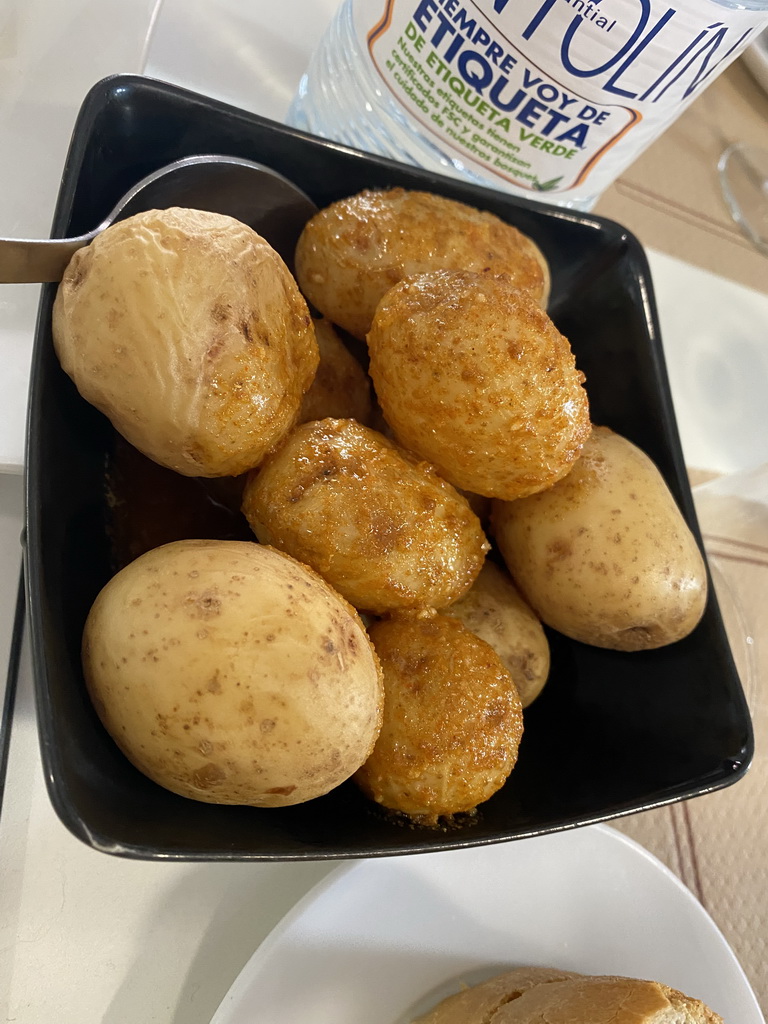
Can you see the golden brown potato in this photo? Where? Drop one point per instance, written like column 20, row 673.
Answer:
column 229, row 673
column 452, row 719
column 341, row 387
column 354, row 250
column 379, row 525
column 605, row 556
column 187, row 330
column 479, row 503
column 495, row 611
column 475, row 378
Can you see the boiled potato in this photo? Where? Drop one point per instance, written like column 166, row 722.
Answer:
column 605, row 556
column 229, row 673
column 186, row 329
column 341, row 387
column 379, row 525
column 475, row 378
column 479, row 503
column 452, row 719
column 494, row 610
column 353, row 251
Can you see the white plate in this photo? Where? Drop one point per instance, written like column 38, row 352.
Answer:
column 381, row 940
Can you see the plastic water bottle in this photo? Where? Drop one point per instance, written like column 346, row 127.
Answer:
column 550, row 99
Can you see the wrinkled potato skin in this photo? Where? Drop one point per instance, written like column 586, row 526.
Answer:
column 494, row 610
column 452, row 719
column 354, row 250
column 380, row 526
column 186, row 329
column 341, row 387
column 228, row 673
column 605, row 556
column 475, row 378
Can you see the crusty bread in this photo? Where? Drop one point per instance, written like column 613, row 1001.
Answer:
column 477, row 1004
column 690, row 1011
column 536, row 995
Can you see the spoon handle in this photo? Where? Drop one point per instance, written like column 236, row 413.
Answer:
column 28, row 261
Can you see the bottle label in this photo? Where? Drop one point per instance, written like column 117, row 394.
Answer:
column 551, row 95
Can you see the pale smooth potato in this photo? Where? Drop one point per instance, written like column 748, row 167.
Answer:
column 230, row 673
column 475, row 378
column 453, row 720
column 350, row 253
column 605, row 556
column 494, row 610
column 341, row 387
column 186, row 329
column 381, row 526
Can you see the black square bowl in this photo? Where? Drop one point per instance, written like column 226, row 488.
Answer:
column 612, row 733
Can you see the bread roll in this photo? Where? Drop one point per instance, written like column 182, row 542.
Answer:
column 478, row 1003
column 538, row 995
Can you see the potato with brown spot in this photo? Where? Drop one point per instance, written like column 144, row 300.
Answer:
column 475, row 378
column 229, row 673
column 494, row 610
column 186, row 329
column 379, row 524
column 452, row 719
column 354, row 250
column 605, row 556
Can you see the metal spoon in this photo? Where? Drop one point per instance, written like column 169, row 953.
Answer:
column 248, row 191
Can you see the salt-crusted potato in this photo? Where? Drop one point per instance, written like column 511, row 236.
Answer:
column 341, row 387
column 495, row 611
column 475, row 378
column 353, row 251
column 379, row 525
column 479, row 503
column 452, row 719
column 188, row 331
column 605, row 556
column 229, row 673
